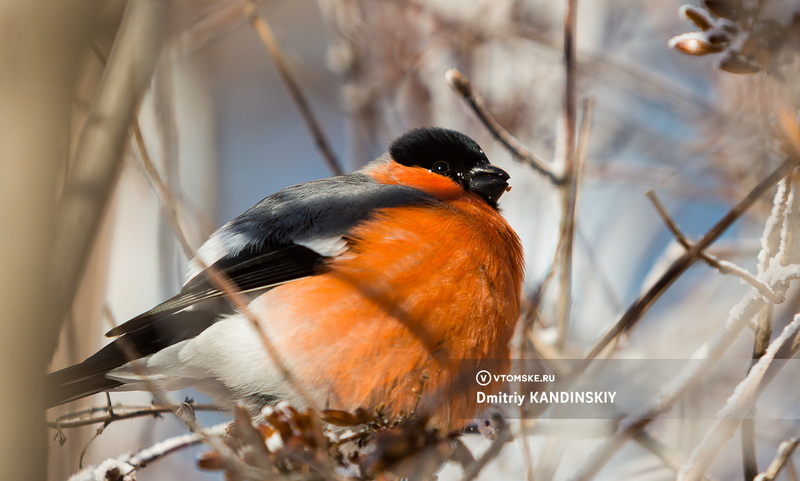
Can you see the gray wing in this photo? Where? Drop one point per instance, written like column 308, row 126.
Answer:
column 268, row 244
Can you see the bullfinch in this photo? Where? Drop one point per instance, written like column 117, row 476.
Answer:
column 375, row 288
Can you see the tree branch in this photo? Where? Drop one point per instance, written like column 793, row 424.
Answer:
column 725, row 267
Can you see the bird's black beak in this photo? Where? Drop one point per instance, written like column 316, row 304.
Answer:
column 488, row 181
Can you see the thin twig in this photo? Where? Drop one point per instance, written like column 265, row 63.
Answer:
column 169, row 202
column 748, row 431
column 78, row 419
column 127, row 464
column 85, row 447
column 785, row 451
column 529, row 315
column 725, row 267
column 317, row 134
column 459, row 83
column 568, row 189
column 748, row 445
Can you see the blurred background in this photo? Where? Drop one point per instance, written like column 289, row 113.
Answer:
column 222, row 132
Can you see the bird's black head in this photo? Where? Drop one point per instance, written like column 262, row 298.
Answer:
column 454, row 155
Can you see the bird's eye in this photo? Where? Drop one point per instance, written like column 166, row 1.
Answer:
column 440, row 167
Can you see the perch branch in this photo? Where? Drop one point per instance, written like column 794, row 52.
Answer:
column 110, row 414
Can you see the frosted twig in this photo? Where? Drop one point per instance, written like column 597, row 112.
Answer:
column 124, row 466
column 785, row 451
column 770, row 240
column 791, row 223
column 170, row 445
column 740, row 403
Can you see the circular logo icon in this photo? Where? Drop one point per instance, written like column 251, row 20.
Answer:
column 483, row 377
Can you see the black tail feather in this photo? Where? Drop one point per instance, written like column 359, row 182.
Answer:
column 56, row 395
column 89, row 377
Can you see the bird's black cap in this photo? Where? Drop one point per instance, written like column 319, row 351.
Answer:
column 451, row 154
column 426, row 146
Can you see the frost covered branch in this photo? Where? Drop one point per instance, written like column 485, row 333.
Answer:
column 124, row 466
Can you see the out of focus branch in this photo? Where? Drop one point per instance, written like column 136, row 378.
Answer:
column 95, row 163
column 40, row 54
column 568, row 189
column 317, row 134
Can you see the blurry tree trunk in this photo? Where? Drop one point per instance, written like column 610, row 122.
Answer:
column 93, row 171
column 40, row 47
column 52, row 211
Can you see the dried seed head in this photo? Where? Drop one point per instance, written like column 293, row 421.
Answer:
column 697, row 16
column 695, row 43
column 458, row 82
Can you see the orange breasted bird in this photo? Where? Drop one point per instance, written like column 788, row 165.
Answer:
column 369, row 285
